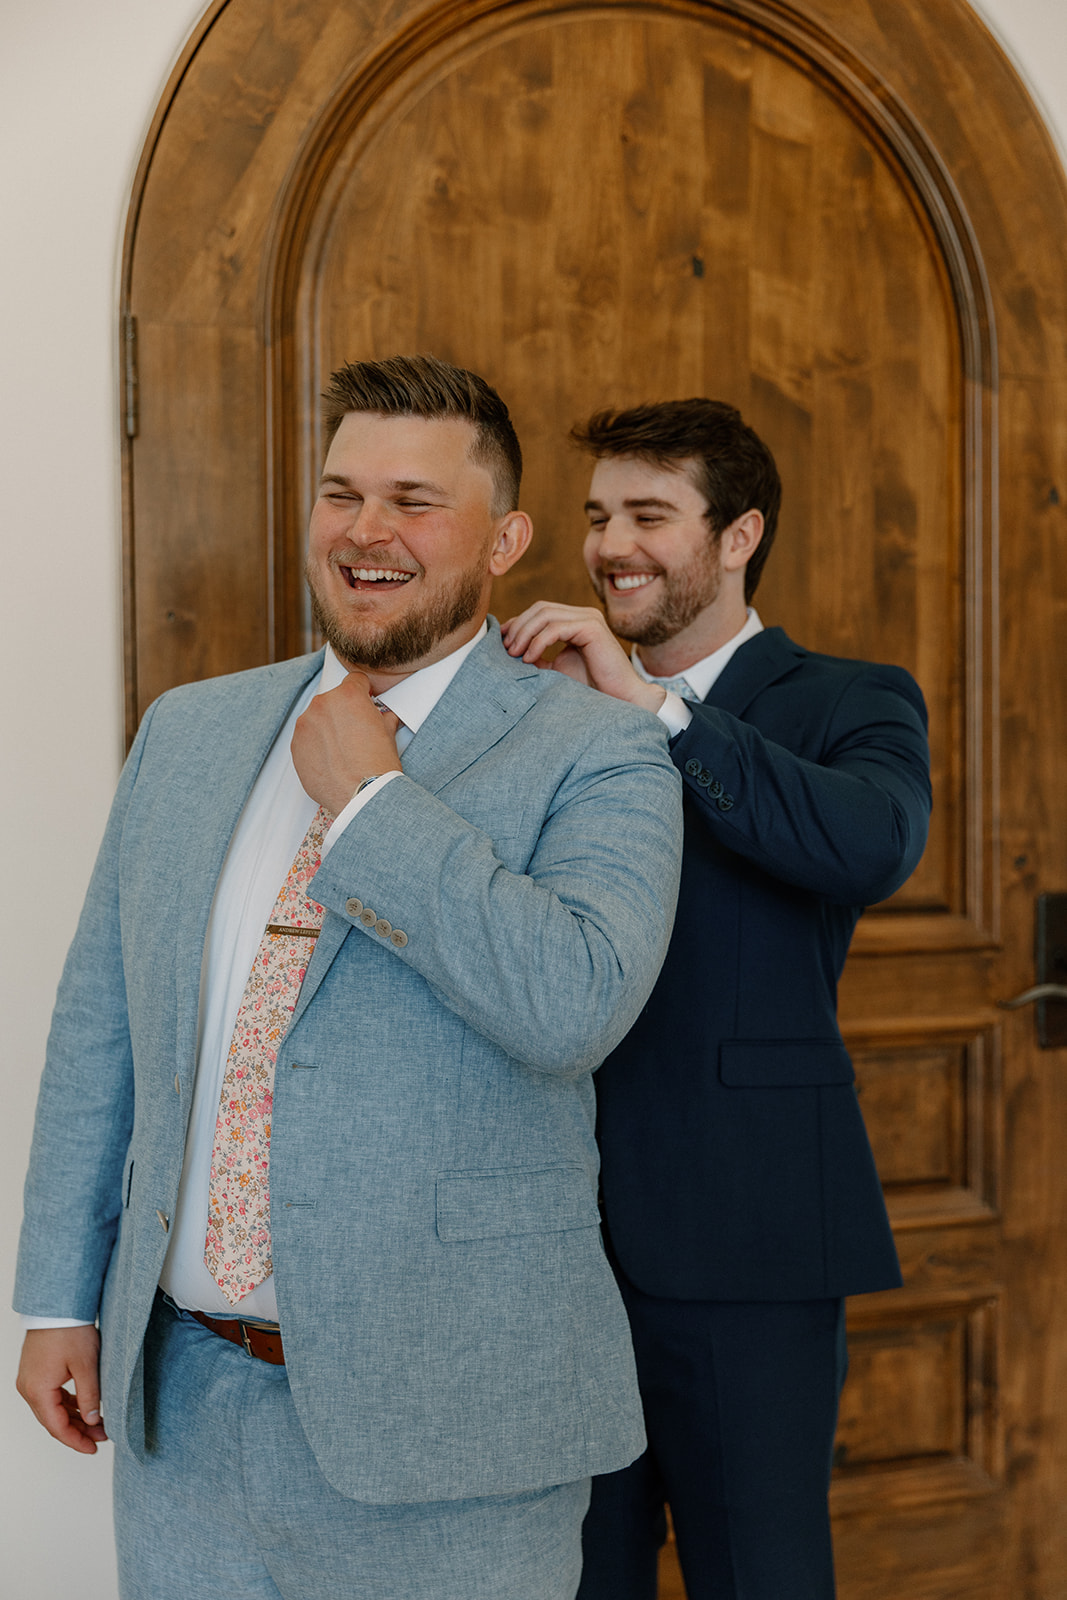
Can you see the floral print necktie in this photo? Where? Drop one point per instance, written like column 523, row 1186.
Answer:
column 237, row 1250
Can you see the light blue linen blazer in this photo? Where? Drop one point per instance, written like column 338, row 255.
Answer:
column 451, row 1325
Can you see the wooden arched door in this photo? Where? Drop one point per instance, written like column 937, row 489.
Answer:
column 844, row 216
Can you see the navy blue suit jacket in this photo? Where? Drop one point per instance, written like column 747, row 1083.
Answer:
column 736, row 1165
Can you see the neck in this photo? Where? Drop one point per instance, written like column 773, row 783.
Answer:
column 707, row 633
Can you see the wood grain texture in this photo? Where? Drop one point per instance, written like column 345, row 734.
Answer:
column 846, row 217
column 543, row 204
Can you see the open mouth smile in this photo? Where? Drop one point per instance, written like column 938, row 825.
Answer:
column 376, row 577
column 627, row 582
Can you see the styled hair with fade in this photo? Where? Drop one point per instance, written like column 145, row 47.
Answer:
column 735, row 472
column 423, row 386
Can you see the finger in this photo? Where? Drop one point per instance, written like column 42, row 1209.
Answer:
column 541, row 641
column 544, row 625
column 86, row 1375
column 516, row 632
column 582, row 630
column 57, row 1412
column 523, row 627
column 390, row 720
column 88, row 1430
column 523, row 617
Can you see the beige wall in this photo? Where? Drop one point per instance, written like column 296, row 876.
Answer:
column 78, row 84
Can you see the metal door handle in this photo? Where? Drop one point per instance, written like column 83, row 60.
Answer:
column 1049, row 993
column 1040, row 991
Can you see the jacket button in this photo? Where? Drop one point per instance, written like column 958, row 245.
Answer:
column 164, row 1221
column 177, row 1084
column 368, row 917
column 353, row 907
column 703, row 780
column 715, row 788
column 399, row 938
column 693, row 768
column 383, row 927
column 726, row 802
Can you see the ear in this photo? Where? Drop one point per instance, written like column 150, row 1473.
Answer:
column 738, row 542
column 513, row 535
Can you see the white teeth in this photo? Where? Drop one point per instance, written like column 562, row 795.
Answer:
column 632, row 580
column 379, row 575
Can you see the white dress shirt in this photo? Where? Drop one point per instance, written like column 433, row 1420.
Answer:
column 276, row 816
column 675, row 713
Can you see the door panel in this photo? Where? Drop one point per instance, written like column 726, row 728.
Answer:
column 845, row 217
column 543, row 200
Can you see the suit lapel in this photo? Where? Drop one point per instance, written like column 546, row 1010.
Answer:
column 485, row 699
column 253, row 722
column 489, row 694
column 759, row 662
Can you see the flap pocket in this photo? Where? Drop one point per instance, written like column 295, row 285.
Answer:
column 490, row 1205
column 783, row 1063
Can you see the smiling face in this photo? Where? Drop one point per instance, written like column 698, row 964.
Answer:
column 403, row 545
column 650, row 551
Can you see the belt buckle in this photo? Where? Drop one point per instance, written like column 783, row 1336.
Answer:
column 245, row 1339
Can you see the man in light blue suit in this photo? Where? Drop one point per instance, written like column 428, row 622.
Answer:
column 388, row 1361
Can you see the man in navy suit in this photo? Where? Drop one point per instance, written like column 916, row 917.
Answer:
column 740, row 1198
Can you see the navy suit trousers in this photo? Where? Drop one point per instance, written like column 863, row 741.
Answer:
column 740, row 1407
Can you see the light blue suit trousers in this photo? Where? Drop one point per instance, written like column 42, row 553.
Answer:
column 230, row 1503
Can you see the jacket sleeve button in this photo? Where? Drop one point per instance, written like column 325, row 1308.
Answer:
column 368, row 917
column 693, row 768
column 353, row 907
column 383, row 927
column 715, row 788
column 726, row 802
column 164, row 1221
column 399, row 938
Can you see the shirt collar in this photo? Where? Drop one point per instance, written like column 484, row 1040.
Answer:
column 413, row 698
column 702, row 674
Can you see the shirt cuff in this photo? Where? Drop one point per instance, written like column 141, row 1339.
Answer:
column 357, row 802
column 31, row 1324
column 674, row 714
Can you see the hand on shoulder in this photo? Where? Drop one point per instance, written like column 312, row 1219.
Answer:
column 591, row 652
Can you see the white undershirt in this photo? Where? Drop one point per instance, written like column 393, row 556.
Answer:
column 275, row 818
column 675, row 713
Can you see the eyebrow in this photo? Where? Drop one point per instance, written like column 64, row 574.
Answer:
column 404, row 485
column 649, row 503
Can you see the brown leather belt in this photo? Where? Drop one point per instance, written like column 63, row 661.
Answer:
column 263, row 1341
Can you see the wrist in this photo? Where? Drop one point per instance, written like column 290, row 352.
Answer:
column 649, row 696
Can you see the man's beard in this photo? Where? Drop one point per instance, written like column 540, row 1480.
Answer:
column 685, row 594
column 385, row 646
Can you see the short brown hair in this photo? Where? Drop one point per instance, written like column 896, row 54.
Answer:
column 735, row 472
column 423, row 386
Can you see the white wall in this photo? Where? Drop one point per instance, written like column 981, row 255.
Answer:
column 78, row 84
